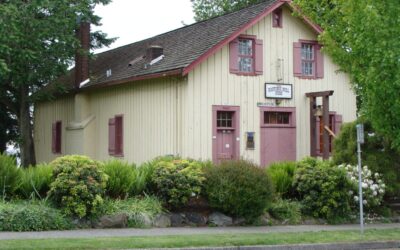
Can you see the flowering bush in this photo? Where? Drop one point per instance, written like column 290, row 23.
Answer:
column 372, row 186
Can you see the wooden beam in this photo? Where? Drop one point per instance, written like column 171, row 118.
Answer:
column 330, row 131
column 313, row 119
column 325, row 112
column 319, row 94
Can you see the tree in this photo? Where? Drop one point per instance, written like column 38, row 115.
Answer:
column 205, row 9
column 362, row 37
column 37, row 44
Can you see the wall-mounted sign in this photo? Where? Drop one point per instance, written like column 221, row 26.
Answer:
column 268, row 103
column 278, row 91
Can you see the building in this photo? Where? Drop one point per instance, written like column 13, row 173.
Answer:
column 251, row 84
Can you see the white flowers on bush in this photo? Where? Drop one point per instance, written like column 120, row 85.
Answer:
column 372, row 185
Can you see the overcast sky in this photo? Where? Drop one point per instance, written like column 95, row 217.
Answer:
column 135, row 20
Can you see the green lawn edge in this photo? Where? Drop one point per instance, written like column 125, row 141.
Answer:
column 199, row 240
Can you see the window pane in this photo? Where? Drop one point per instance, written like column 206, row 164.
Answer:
column 246, row 47
column 245, row 64
column 224, row 119
column 276, row 117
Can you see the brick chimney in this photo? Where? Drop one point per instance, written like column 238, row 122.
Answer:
column 82, row 54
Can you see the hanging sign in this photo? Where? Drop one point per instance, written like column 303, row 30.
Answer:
column 278, row 91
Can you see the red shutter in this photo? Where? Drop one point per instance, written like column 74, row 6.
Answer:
column 111, row 136
column 338, row 124
column 297, row 59
column 259, row 54
column 233, row 56
column 53, row 137
column 319, row 59
column 119, row 135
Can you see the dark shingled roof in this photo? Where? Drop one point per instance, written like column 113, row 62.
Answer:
column 181, row 47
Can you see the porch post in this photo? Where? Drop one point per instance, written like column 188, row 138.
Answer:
column 313, row 142
column 325, row 105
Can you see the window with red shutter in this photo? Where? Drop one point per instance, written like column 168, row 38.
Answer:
column 56, row 137
column 115, row 136
column 246, row 56
column 308, row 61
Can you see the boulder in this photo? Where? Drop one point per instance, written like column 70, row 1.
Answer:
column 162, row 220
column 196, row 219
column 177, row 220
column 239, row 221
column 220, row 219
column 112, row 221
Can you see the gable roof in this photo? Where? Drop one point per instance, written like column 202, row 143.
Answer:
column 183, row 48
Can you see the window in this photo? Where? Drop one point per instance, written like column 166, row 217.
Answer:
column 56, row 137
column 224, row 119
column 308, row 60
column 276, row 117
column 246, row 56
column 115, row 136
column 277, row 18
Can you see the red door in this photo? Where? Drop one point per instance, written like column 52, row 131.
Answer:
column 225, row 133
column 278, row 135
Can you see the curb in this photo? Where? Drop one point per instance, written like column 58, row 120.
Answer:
column 325, row 246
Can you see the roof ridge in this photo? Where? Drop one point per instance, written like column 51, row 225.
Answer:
column 189, row 25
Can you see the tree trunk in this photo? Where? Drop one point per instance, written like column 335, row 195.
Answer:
column 25, row 129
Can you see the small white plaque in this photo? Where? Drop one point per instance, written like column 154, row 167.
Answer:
column 278, row 91
column 227, row 145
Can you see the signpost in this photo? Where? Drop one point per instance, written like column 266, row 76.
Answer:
column 360, row 140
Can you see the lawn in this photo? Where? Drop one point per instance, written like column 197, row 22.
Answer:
column 204, row 240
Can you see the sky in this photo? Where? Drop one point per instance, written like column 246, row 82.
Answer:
column 135, row 20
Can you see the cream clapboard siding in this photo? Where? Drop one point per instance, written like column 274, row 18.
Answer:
column 151, row 111
column 210, row 83
column 45, row 114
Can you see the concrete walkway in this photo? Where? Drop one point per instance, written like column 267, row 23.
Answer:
column 93, row 233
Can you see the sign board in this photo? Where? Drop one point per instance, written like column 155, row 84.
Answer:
column 269, row 103
column 278, row 91
column 360, row 133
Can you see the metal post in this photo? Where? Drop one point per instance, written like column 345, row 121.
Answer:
column 360, row 139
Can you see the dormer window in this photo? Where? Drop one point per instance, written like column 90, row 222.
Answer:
column 246, row 56
column 277, row 18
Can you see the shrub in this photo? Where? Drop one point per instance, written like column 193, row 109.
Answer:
column 238, row 188
column 323, row 190
column 139, row 210
column 286, row 210
column 377, row 154
column 31, row 216
column 177, row 180
column 121, row 178
column 35, row 181
column 282, row 174
column 10, row 175
column 372, row 186
column 78, row 185
column 144, row 174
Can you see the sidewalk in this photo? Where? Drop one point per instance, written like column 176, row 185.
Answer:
column 93, row 233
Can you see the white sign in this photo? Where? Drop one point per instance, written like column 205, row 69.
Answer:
column 278, row 91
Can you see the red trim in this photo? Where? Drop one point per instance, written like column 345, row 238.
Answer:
column 135, row 78
column 219, row 45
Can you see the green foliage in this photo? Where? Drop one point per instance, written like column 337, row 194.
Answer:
column 35, row 181
column 377, row 154
column 144, row 174
column 10, row 175
column 286, row 210
column 362, row 38
column 177, row 180
column 323, row 190
column 139, row 210
column 238, row 188
column 78, row 185
column 205, row 9
column 282, row 174
column 31, row 216
column 121, row 178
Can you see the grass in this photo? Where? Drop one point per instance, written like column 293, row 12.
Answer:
column 204, row 240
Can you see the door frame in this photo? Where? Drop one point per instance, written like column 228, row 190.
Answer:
column 235, row 124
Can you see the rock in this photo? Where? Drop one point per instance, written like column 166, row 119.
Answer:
column 239, row 221
column 162, row 220
column 310, row 221
column 144, row 220
column 112, row 221
column 177, row 220
column 396, row 219
column 220, row 219
column 264, row 220
column 197, row 219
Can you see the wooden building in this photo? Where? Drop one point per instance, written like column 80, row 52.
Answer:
column 251, row 84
